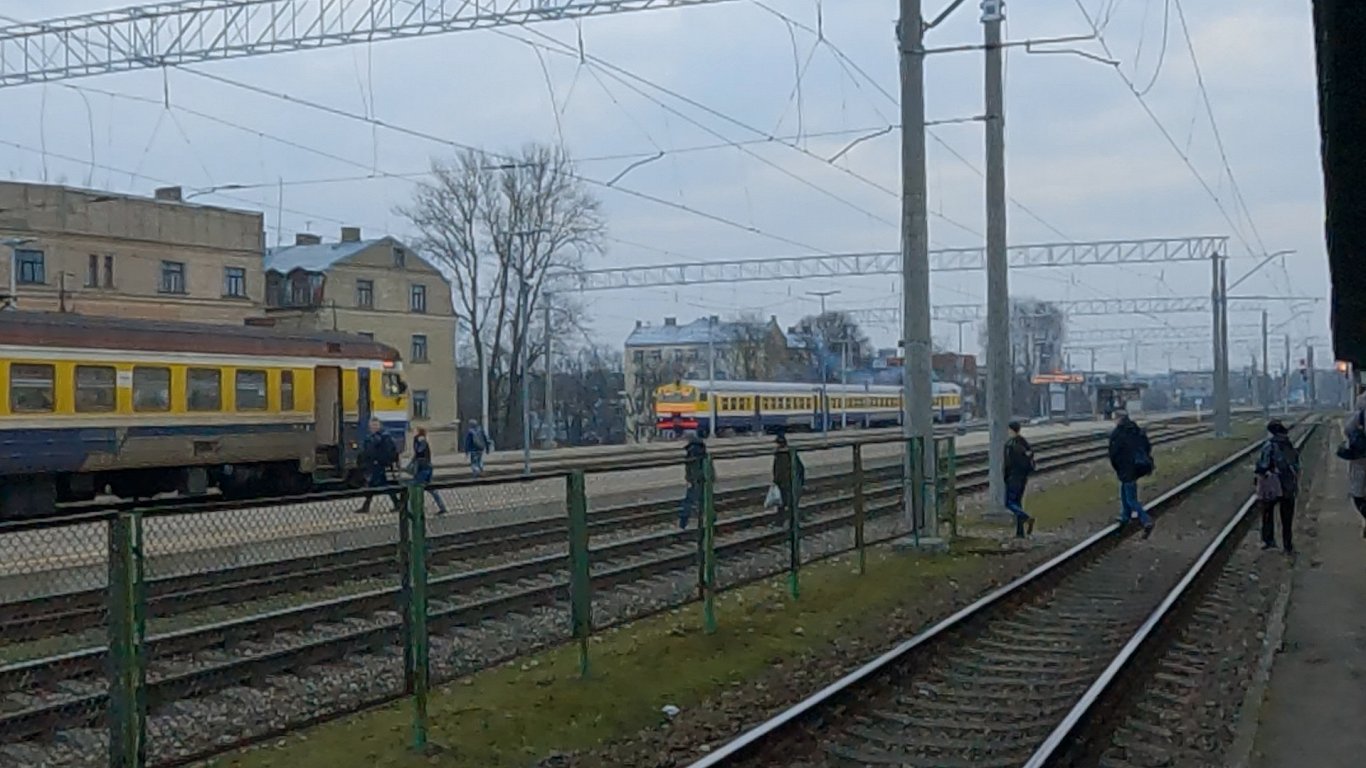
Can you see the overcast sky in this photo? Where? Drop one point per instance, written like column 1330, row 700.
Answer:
column 1084, row 160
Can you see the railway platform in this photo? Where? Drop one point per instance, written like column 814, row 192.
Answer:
column 1315, row 701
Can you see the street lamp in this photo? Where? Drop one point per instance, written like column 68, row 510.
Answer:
column 524, row 312
column 12, row 298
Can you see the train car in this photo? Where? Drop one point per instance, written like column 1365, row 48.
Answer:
column 135, row 408
column 759, row 406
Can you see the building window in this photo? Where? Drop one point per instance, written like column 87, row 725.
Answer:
column 30, row 388
column 365, row 294
column 419, row 348
column 204, row 390
column 400, row 258
column 250, row 390
column 420, row 412
column 235, row 282
column 92, row 272
column 287, row 390
column 95, row 388
column 109, row 271
column 172, row 277
column 32, row 267
column 418, row 299
column 151, row 389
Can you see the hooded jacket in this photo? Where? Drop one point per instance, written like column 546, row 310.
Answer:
column 1279, row 455
column 693, row 453
column 1127, row 442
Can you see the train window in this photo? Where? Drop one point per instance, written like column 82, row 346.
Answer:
column 251, row 390
column 286, row 390
column 95, row 388
column 151, row 389
column 394, row 385
column 30, row 388
column 204, row 390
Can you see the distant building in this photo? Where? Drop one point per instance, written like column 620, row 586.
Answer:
column 378, row 288
column 156, row 258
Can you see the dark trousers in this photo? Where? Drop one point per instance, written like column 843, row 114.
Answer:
column 378, row 478
column 1287, row 505
column 783, row 513
column 1361, row 505
column 692, row 500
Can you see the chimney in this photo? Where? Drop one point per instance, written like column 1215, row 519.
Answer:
column 169, row 194
column 305, row 238
column 773, row 319
column 714, row 319
column 670, row 322
column 350, row 234
column 637, row 324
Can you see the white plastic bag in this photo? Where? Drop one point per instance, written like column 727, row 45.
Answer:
column 774, row 499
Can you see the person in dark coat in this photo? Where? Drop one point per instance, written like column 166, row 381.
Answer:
column 379, row 454
column 782, row 477
column 694, row 473
column 1131, row 456
column 1279, row 456
column 476, row 443
column 422, row 466
column 1019, row 465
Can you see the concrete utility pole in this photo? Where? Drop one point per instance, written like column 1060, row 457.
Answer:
column 1222, row 416
column 1311, row 388
column 711, row 372
column 998, row 267
column 825, row 372
column 1264, row 385
column 917, row 399
column 549, row 380
column 1285, row 406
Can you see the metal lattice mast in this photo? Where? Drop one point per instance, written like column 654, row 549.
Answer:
column 193, row 31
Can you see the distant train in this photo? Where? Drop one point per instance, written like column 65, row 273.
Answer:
column 97, row 405
column 760, row 406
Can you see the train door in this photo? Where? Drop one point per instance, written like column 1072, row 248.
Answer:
column 364, row 405
column 327, row 415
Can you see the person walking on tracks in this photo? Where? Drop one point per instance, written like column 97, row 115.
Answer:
column 422, row 467
column 782, row 477
column 1131, row 456
column 1278, row 481
column 378, row 456
column 694, row 474
column 1354, row 429
column 476, row 444
column 1019, row 465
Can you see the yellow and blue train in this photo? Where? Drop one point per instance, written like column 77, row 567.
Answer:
column 135, row 408
column 761, row 406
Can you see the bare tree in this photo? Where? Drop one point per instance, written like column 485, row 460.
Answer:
column 501, row 229
column 754, row 349
column 1038, row 331
column 832, row 340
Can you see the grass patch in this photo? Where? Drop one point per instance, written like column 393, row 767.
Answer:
column 512, row 715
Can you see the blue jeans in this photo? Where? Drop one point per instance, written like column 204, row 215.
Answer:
column 423, row 476
column 692, row 498
column 476, row 463
column 1128, row 499
column 1015, row 490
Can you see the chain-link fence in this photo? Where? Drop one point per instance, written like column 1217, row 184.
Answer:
column 150, row 635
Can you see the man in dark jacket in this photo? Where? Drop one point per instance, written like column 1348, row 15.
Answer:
column 694, row 475
column 1131, row 456
column 782, row 477
column 1019, row 465
column 476, row 443
column 378, row 455
column 1279, row 456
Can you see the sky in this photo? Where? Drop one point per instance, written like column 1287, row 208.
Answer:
column 323, row 138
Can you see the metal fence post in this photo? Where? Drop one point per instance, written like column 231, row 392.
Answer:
column 859, row 511
column 794, row 524
column 947, row 493
column 405, row 596
column 915, row 485
column 418, row 643
column 580, row 577
column 127, row 653
column 708, row 545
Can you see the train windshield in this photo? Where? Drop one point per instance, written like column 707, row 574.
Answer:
column 678, row 396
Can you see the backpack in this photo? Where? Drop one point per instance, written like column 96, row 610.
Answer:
column 1354, row 447
column 1143, row 460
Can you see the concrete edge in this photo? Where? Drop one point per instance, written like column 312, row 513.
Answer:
column 1250, row 713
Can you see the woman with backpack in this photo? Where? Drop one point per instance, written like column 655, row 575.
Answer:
column 1277, row 476
column 1354, row 429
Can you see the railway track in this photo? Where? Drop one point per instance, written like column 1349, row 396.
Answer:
column 66, row 691
column 46, row 615
column 1029, row 674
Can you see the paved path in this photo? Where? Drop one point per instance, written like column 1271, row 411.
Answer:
column 1314, row 715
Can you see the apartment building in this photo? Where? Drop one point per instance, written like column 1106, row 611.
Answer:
column 378, row 288
column 103, row 253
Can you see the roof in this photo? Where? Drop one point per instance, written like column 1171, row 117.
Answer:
column 315, row 258
column 68, row 329
column 808, row 386
column 697, row 332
